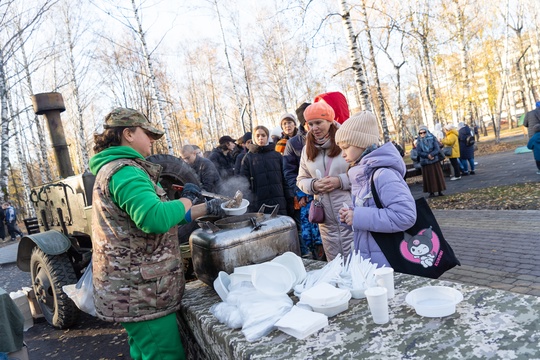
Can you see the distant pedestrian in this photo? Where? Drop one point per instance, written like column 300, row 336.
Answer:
column 243, row 144
column 288, row 125
column 466, row 149
column 222, row 157
column 534, row 145
column 11, row 221
column 2, row 225
column 451, row 139
column 263, row 167
column 532, row 118
column 476, row 133
column 204, row 168
column 428, row 150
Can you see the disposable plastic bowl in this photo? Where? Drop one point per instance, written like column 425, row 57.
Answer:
column 335, row 308
column 237, row 278
column 236, row 211
column 294, row 263
column 434, row 301
column 246, row 270
column 272, row 278
column 324, row 294
column 221, row 285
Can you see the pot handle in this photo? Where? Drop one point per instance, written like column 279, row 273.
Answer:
column 274, row 210
column 209, row 226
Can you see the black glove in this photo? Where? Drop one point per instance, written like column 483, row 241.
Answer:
column 213, row 207
column 191, row 192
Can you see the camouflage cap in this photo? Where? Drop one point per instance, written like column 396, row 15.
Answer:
column 129, row 117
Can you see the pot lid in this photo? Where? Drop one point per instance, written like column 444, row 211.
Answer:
column 234, row 222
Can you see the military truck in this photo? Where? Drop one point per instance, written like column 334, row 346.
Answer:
column 59, row 253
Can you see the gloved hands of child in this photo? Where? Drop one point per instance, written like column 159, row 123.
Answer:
column 191, row 192
column 213, row 207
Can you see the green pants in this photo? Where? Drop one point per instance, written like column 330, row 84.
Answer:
column 157, row 339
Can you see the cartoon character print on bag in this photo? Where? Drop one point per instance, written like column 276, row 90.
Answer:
column 421, row 248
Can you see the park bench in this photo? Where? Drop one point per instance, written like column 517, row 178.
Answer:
column 412, row 171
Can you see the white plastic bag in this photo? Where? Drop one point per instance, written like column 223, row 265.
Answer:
column 82, row 293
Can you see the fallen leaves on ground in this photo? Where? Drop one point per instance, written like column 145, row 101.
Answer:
column 511, row 197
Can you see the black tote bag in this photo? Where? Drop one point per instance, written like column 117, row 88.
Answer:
column 420, row 250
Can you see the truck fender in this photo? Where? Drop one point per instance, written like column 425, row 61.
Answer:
column 51, row 242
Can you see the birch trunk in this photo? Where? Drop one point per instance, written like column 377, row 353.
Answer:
column 22, row 160
column 380, row 97
column 4, row 127
column 464, row 62
column 157, row 93
column 83, row 146
column 354, row 54
column 231, row 73
column 247, row 82
column 44, row 169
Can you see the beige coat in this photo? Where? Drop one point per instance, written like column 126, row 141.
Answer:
column 337, row 238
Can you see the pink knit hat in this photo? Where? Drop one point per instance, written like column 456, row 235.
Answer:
column 319, row 110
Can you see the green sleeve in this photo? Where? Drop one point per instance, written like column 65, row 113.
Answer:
column 133, row 191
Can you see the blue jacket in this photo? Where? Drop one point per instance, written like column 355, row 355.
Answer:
column 399, row 212
column 425, row 146
column 534, row 145
column 291, row 160
column 465, row 152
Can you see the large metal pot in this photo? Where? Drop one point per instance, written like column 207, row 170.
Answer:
column 241, row 240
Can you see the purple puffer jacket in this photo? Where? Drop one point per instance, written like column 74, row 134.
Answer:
column 399, row 212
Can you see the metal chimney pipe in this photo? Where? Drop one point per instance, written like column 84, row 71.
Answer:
column 51, row 105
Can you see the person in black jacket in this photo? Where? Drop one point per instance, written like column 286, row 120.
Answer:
column 466, row 152
column 222, row 157
column 263, row 167
column 243, row 143
column 308, row 233
column 204, row 168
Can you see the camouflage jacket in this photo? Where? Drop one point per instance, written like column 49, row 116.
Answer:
column 137, row 276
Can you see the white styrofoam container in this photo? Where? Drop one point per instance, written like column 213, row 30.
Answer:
column 20, row 299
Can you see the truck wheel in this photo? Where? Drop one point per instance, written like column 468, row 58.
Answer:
column 49, row 273
column 176, row 172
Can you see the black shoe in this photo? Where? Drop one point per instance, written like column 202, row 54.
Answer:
column 431, row 195
column 465, row 174
column 441, row 194
column 472, row 172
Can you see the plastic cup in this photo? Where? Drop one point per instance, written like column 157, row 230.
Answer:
column 378, row 304
column 385, row 278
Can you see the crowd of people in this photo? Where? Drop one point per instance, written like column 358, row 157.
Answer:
column 322, row 155
column 455, row 144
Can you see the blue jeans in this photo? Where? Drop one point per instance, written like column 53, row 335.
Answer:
column 464, row 164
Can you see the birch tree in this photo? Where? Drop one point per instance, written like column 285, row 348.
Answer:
column 12, row 25
column 354, row 53
column 382, row 112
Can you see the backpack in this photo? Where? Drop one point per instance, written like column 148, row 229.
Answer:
column 469, row 141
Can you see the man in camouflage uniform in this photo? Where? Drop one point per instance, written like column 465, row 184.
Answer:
column 137, row 267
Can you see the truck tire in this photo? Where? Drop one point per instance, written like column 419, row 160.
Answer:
column 176, row 171
column 49, row 273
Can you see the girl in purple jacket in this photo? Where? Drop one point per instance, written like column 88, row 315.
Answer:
column 358, row 138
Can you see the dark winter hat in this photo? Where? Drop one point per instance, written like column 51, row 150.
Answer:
column 225, row 139
column 247, row 136
column 300, row 113
column 129, row 117
column 360, row 130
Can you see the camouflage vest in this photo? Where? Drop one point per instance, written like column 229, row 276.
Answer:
column 137, row 276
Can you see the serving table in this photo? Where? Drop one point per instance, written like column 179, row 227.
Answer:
column 487, row 324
